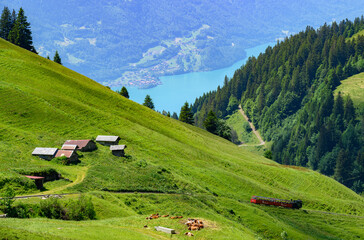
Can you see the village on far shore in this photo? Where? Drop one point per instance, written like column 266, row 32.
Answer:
column 68, row 152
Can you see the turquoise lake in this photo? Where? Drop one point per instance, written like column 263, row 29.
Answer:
column 177, row 89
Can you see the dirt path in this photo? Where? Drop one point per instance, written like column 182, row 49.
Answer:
column 253, row 128
column 56, row 191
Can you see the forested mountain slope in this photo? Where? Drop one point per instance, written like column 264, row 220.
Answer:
column 170, row 167
column 288, row 92
column 114, row 41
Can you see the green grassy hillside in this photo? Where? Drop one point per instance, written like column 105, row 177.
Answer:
column 353, row 86
column 186, row 170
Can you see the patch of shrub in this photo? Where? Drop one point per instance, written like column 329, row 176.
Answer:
column 80, row 209
column 61, row 160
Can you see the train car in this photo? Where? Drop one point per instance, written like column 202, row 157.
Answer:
column 296, row 204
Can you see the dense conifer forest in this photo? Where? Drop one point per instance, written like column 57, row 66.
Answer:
column 288, row 92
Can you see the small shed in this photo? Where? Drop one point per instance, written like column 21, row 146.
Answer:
column 69, row 147
column 45, row 153
column 82, row 145
column 108, row 140
column 118, row 150
column 72, row 156
column 38, row 181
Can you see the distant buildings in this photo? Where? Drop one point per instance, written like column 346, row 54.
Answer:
column 118, row 150
column 82, row 145
column 108, row 140
column 45, row 153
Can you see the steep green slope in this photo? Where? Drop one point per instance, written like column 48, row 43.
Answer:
column 353, row 86
column 190, row 172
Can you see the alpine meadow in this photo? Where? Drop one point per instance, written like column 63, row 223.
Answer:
column 149, row 175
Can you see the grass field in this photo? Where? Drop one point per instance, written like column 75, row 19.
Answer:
column 237, row 122
column 191, row 172
column 353, row 86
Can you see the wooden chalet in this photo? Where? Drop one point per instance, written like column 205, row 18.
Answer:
column 82, row 145
column 108, row 140
column 118, row 150
column 71, row 155
column 45, row 153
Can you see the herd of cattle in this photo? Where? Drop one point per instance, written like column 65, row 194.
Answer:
column 192, row 224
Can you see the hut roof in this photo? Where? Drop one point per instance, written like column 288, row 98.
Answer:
column 66, row 153
column 80, row 143
column 34, row 177
column 69, row 147
column 102, row 138
column 44, row 151
column 117, row 147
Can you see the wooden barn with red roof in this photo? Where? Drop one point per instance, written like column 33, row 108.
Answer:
column 82, row 145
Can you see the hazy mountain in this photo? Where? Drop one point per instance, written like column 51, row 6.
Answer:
column 135, row 41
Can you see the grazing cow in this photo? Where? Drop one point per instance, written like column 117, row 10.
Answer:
column 173, row 217
column 180, row 217
column 165, row 215
column 194, row 228
column 189, row 234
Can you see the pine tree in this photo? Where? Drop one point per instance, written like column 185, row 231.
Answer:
column 211, row 122
column 5, row 23
column 124, row 92
column 186, row 114
column 57, row 58
column 175, row 116
column 20, row 34
column 148, row 102
column 349, row 113
column 341, row 169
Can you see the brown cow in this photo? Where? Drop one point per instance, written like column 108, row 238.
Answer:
column 193, row 228
column 189, row 234
column 174, row 217
column 165, row 215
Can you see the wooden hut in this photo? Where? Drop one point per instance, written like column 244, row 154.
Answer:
column 45, row 153
column 82, row 145
column 38, row 181
column 69, row 147
column 72, row 156
column 118, row 150
column 108, row 140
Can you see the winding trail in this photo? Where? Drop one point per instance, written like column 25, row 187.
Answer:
column 253, row 128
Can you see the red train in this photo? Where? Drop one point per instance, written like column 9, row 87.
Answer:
column 296, row 204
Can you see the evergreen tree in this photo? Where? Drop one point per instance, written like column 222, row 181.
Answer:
column 168, row 114
column 48, row 57
column 186, row 114
column 57, row 58
column 211, row 122
column 5, row 23
column 341, row 169
column 124, row 92
column 148, row 102
column 349, row 110
column 175, row 116
column 223, row 130
column 13, row 18
column 20, row 34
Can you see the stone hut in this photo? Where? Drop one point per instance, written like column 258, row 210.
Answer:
column 118, row 150
column 38, row 181
column 45, row 153
column 82, row 145
column 72, row 156
column 108, row 140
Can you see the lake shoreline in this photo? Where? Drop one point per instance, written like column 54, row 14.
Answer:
column 175, row 90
